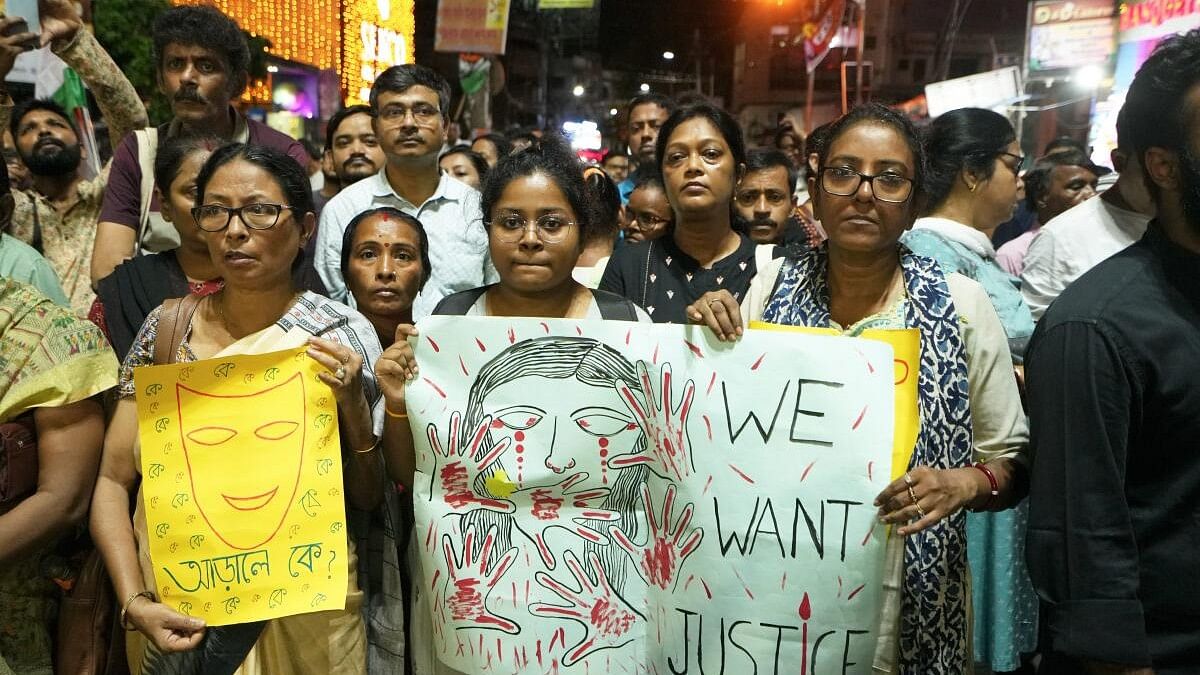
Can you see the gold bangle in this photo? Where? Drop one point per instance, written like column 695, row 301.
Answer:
column 368, row 450
column 125, row 608
column 399, row 416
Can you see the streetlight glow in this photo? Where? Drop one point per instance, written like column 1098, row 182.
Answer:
column 578, row 90
column 645, row 87
column 1089, row 77
column 668, row 55
column 612, row 112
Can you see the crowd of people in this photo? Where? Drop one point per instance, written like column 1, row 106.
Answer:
column 1050, row 513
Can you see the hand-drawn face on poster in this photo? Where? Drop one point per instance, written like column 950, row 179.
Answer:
column 242, row 487
column 566, row 497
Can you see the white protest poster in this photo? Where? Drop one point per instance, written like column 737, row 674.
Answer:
column 608, row 497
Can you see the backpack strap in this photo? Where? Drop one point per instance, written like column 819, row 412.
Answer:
column 458, row 304
column 613, row 307
column 147, row 145
column 173, row 322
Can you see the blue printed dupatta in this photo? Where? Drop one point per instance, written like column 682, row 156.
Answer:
column 933, row 614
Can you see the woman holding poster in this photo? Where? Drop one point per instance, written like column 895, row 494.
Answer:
column 256, row 211
column 972, row 431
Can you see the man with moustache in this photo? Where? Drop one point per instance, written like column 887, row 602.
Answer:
column 763, row 201
column 1113, row 381
column 57, row 214
column 200, row 58
column 352, row 151
column 647, row 113
column 411, row 108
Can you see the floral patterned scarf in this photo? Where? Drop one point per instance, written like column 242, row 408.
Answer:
column 933, row 615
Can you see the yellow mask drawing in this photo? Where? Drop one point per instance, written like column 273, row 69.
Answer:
column 218, row 432
column 242, row 487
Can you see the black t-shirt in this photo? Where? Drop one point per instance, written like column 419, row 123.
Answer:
column 663, row 280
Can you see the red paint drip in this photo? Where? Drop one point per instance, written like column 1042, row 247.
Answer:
column 627, row 334
column 655, row 359
column 744, row 586
column 758, row 362
column 707, row 484
column 859, row 420
column 738, row 471
column 545, row 326
column 436, row 576
column 480, row 344
column 429, row 535
column 433, row 344
column 454, row 478
column 805, row 608
column 806, row 470
column 855, row 592
column 694, row 348
column 869, row 465
column 435, row 387
column 783, row 582
column 462, row 364
column 578, row 331
column 712, row 381
column 707, row 426
column 706, row 590
column 839, row 587
column 512, row 336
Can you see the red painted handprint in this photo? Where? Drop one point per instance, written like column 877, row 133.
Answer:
column 460, row 471
column 470, row 582
column 609, row 622
column 558, row 506
column 662, row 556
column 668, row 452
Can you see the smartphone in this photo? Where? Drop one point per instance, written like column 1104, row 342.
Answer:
column 27, row 11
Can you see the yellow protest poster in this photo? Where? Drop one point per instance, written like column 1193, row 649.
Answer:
column 242, row 481
column 906, row 344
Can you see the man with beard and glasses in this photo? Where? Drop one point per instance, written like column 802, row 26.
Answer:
column 763, row 201
column 352, row 151
column 1113, row 380
column 411, row 108
column 57, row 215
column 200, row 60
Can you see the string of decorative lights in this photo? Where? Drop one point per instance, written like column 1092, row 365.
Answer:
column 357, row 38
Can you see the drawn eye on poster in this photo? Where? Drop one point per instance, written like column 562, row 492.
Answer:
column 615, row 497
column 242, row 482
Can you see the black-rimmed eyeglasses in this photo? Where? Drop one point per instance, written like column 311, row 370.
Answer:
column 260, row 216
column 886, row 187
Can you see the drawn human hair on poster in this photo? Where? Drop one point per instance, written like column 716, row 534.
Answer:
column 557, row 442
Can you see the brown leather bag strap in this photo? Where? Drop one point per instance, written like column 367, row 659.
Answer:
column 173, row 322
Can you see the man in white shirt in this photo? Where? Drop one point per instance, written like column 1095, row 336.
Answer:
column 411, row 105
column 1076, row 240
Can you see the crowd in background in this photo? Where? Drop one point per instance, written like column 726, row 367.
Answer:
column 1049, row 519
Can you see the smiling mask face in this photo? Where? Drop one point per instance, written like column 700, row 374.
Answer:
column 245, row 509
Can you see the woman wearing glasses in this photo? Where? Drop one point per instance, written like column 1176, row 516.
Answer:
column 702, row 157
column 972, row 186
column 972, row 432
column 256, row 211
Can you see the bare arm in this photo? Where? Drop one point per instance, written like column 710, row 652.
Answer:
column 363, row 471
column 69, row 441
column 114, row 244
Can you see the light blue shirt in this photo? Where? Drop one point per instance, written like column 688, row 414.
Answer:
column 960, row 248
column 21, row 262
column 453, row 221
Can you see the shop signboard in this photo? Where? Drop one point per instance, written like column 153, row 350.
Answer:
column 1069, row 35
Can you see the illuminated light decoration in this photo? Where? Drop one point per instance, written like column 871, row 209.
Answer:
column 377, row 35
